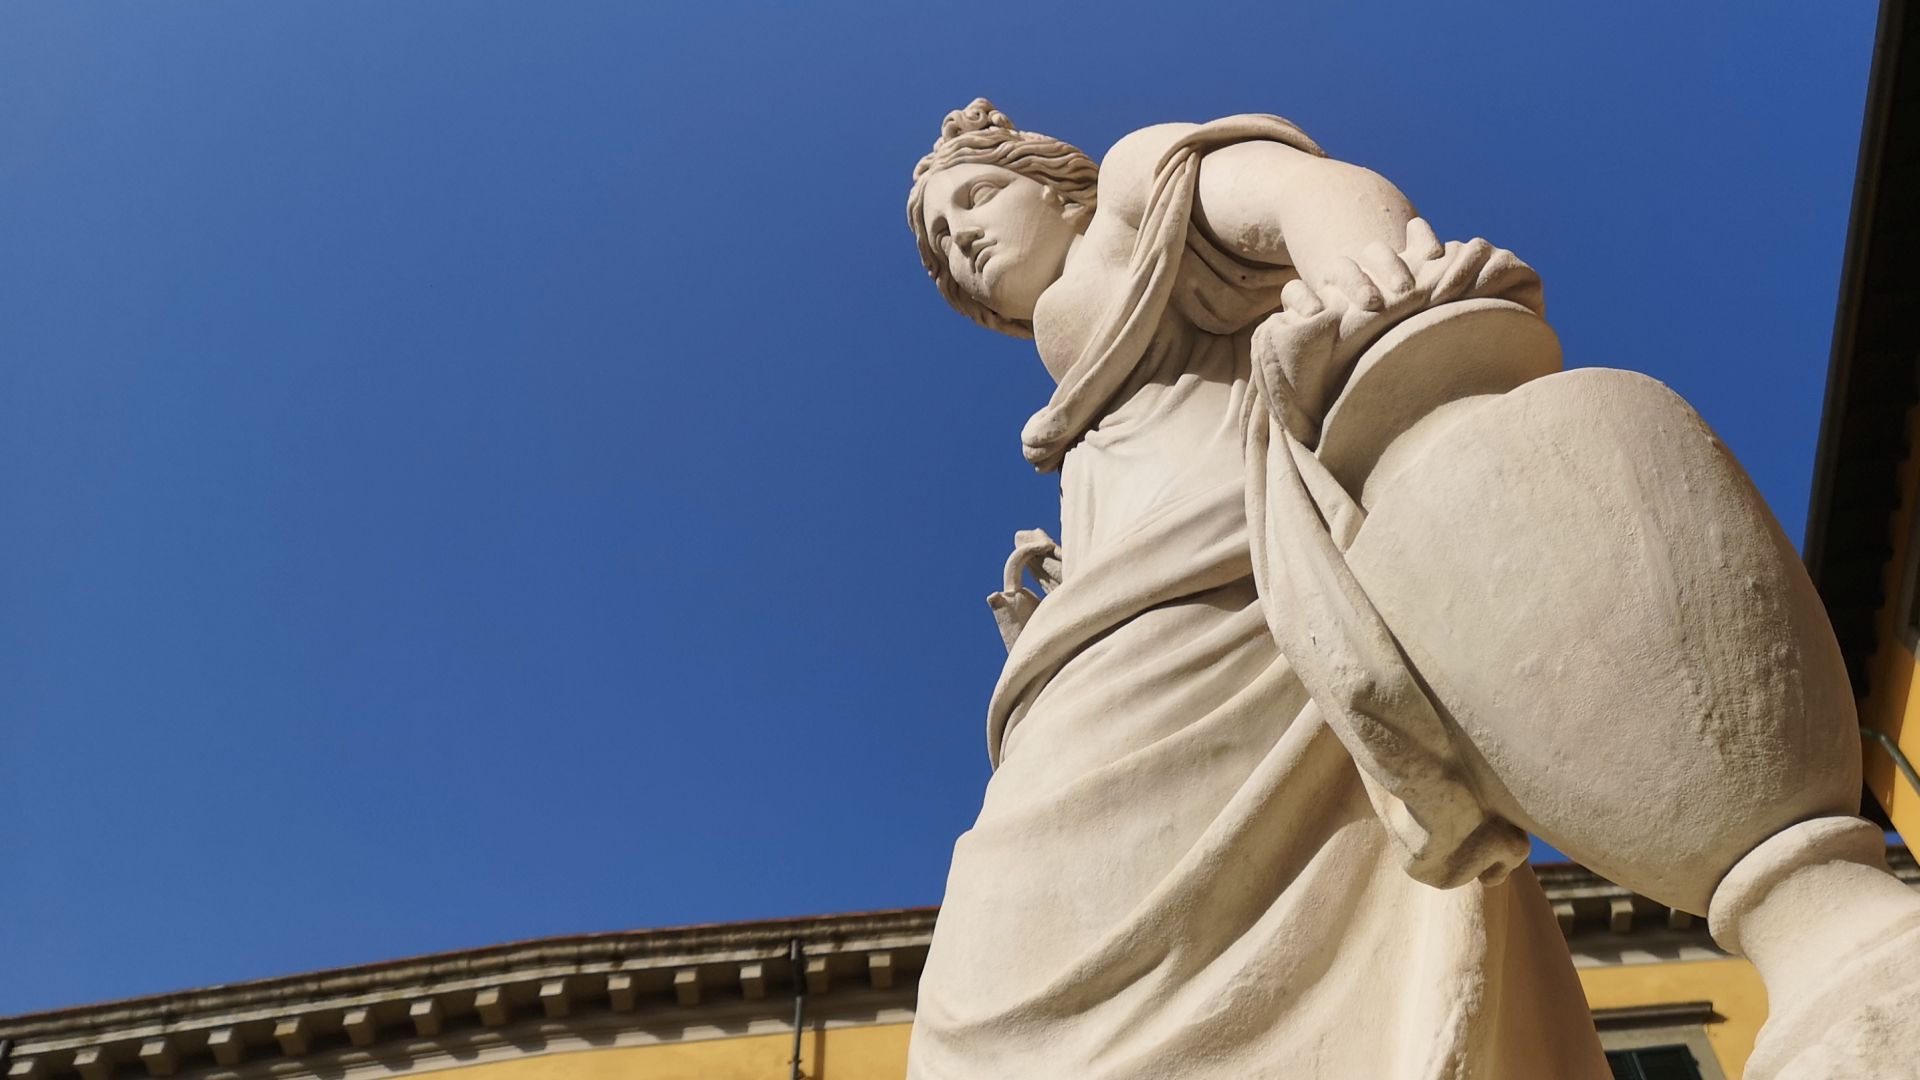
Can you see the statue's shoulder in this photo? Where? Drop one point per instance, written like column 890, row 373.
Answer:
column 1126, row 170
column 1253, row 142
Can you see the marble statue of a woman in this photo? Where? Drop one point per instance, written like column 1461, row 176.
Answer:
column 1354, row 588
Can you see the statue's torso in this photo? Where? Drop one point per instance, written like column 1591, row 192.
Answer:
column 1173, row 429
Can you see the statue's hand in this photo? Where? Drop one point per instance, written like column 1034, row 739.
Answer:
column 1374, row 292
column 1034, row 552
column 1305, row 350
column 1465, row 271
column 1293, row 352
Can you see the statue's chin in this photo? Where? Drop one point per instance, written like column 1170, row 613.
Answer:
column 1012, row 289
column 1009, row 312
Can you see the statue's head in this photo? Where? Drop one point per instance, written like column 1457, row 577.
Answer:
column 995, row 211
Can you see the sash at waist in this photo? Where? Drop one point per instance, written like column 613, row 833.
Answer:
column 1189, row 545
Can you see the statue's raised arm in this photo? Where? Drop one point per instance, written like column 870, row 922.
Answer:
column 1354, row 589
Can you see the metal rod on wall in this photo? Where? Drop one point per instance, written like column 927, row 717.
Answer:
column 797, row 958
column 1892, row 748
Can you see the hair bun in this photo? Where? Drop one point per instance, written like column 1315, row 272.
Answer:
column 978, row 116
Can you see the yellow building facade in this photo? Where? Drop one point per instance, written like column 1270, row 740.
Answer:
column 825, row 998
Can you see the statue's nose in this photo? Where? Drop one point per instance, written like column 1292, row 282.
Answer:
column 965, row 238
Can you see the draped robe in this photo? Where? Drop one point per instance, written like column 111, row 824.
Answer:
column 1178, row 870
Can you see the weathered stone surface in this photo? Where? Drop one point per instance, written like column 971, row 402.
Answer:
column 1353, row 589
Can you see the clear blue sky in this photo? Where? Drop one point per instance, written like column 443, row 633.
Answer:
column 473, row 471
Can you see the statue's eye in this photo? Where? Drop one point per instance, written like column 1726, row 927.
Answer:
column 981, row 192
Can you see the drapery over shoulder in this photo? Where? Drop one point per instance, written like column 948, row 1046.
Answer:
column 1172, row 262
column 1300, row 521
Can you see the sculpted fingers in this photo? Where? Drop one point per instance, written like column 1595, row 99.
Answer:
column 1509, row 278
column 1345, row 275
column 1422, row 244
column 1305, row 325
column 1460, row 270
column 1472, row 269
column 1300, row 298
column 1504, row 267
column 1386, row 269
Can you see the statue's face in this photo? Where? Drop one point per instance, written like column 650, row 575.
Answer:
column 1005, row 237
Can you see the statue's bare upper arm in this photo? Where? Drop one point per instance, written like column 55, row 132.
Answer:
column 1263, row 201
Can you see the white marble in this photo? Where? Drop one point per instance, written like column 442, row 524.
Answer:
column 1354, row 588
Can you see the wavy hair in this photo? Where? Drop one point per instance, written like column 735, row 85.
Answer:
column 982, row 135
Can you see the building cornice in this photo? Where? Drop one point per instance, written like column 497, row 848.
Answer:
column 550, row 988
column 628, row 988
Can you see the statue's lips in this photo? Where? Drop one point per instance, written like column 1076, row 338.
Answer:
column 980, row 255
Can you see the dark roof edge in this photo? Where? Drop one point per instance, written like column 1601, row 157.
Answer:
column 1866, row 191
column 771, row 936
column 625, row 950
